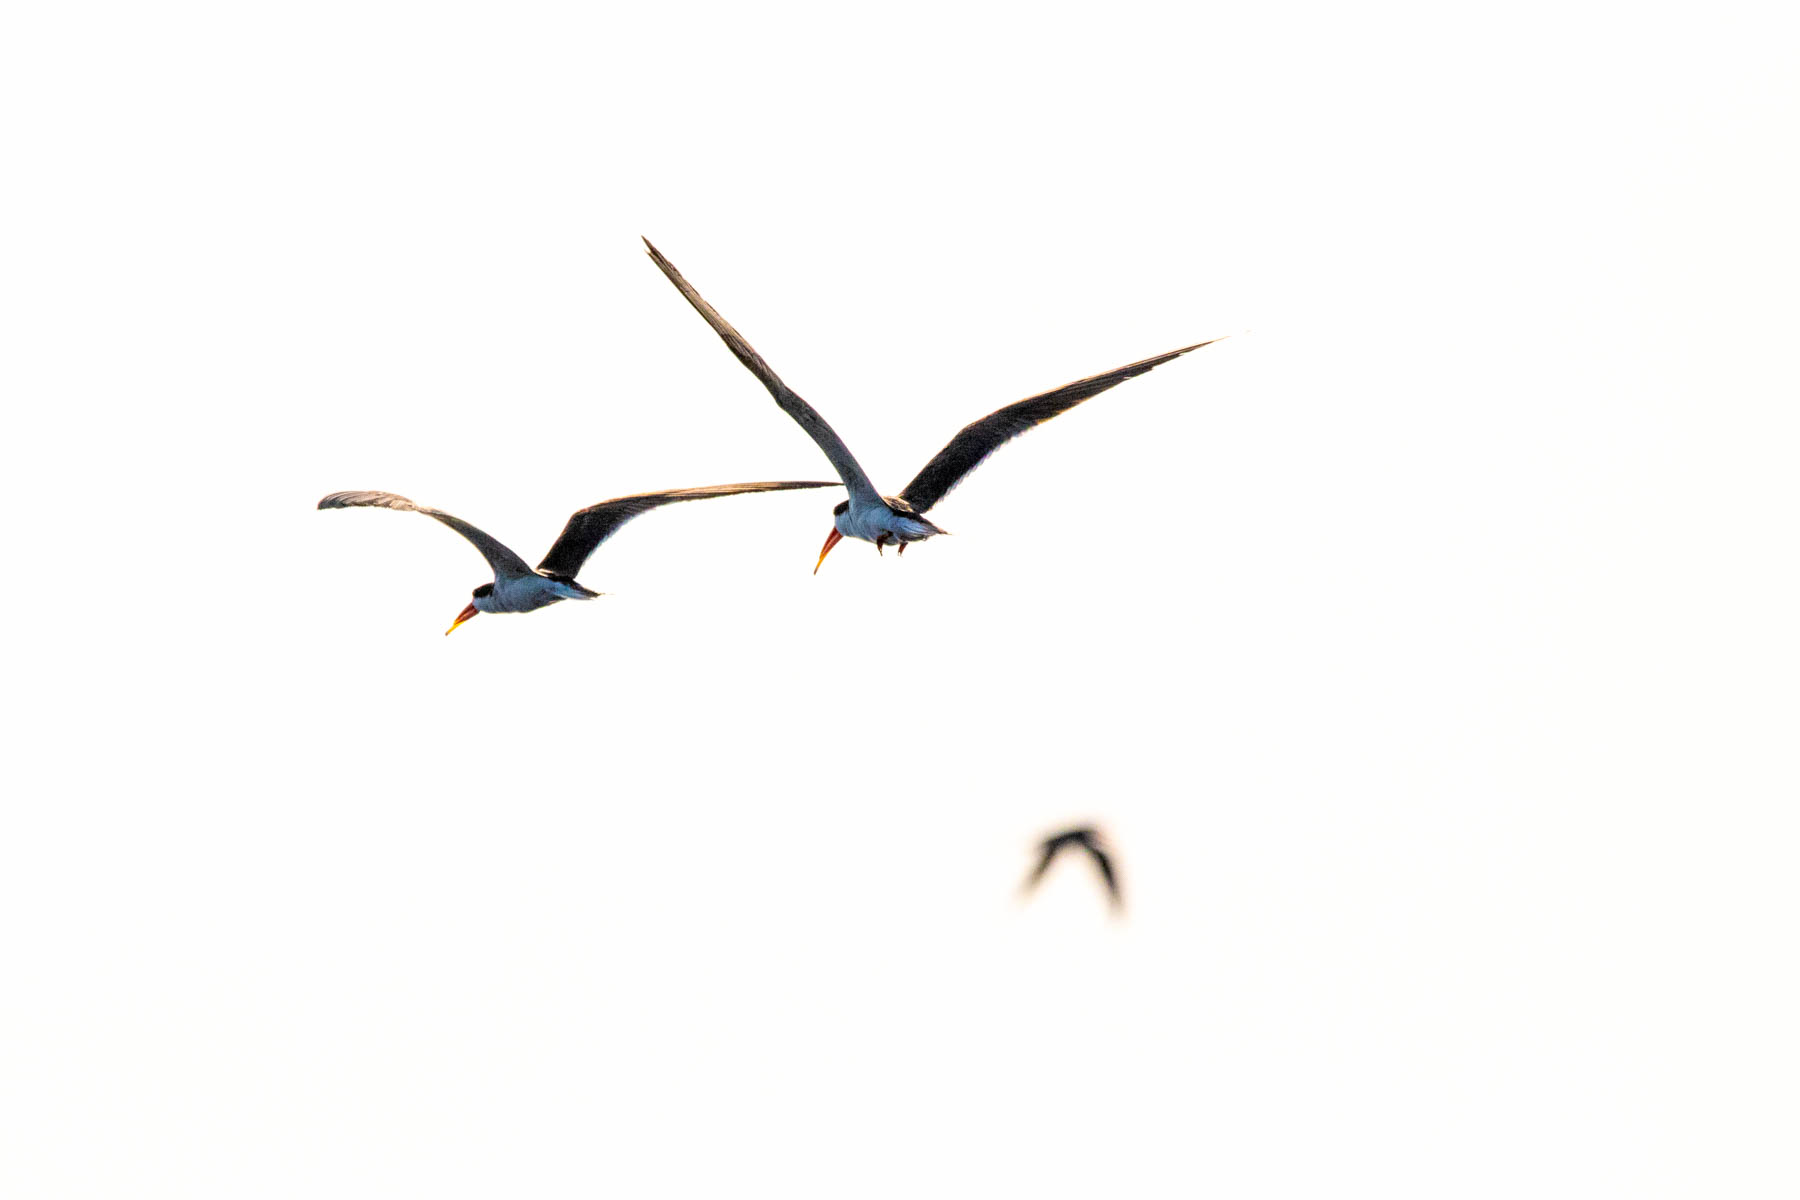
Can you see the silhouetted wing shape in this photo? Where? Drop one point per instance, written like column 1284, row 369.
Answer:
column 502, row 560
column 593, row 525
column 1104, row 862
column 1047, row 852
column 979, row 439
column 804, row 414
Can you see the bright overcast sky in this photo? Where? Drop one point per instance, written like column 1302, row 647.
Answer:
column 1427, row 648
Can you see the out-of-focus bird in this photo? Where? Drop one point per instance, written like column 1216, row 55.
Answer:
column 901, row 519
column 1089, row 839
column 518, row 587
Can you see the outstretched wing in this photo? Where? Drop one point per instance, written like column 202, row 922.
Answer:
column 504, row 562
column 593, row 525
column 981, row 438
column 1046, row 853
column 1103, row 861
column 804, row 414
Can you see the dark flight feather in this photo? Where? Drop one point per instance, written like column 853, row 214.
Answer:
column 499, row 557
column 978, row 439
column 592, row 525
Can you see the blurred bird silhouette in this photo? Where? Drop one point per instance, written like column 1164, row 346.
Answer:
column 1089, row 839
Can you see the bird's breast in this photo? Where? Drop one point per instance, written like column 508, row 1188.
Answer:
column 870, row 523
column 523, row 595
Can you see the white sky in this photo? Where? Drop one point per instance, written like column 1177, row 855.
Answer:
column 1428, row 648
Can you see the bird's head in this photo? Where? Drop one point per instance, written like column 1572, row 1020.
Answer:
column 479, row 602
column 832, row 538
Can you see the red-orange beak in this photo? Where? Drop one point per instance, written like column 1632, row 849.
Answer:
column 462, row 616
column 829, row 543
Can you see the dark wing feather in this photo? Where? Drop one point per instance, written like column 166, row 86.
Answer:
column 1046, row 853
column 981, row 438
column 804, row 414
column 503, row 561
column 593, row 525
column 1103, row 861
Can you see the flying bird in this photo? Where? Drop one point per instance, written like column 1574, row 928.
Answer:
column 901, row 519
column 521, row 588
column 1088, row 839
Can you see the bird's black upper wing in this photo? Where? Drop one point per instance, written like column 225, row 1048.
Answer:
column 804, row 414
column 503, row 561
column 593, row 525
column 1046, row 853
column 979, row 439
column 1104, row 861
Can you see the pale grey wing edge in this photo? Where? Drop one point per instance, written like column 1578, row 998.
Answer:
column 501, row 559
column 592, row 525
column 804, row 414
column 978, row 439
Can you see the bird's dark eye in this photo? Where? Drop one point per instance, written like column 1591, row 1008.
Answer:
column 486, row 589
column 843, row 506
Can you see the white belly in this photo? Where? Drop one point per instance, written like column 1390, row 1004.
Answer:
column 527, row 594
column 870, row 523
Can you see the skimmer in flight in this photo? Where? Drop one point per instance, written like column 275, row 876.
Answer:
column 901, row 519
column 518, row 587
